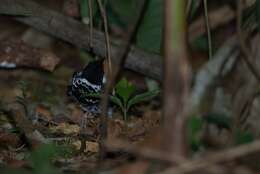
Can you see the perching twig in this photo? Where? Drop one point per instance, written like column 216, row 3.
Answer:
column 247, row 56
column 208, row 27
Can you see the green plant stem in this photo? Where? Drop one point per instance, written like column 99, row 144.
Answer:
column 125, row 114
column 125, row 111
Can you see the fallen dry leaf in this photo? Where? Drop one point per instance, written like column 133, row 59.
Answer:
column 76, row 145
column 136, row 130
column 115, row 129
column 91, row 147
column 15, row 163
column 66, row 129
column 44, row 112
column 9, row 139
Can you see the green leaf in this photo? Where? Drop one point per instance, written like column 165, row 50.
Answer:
column 84, row 9
column 117, row 101
column 41, row 159
column 149, row 36
column 220, row 120
column 201, row 43
column 243, row 137
column 151, row 84
column 124, row 89
column 124, row 9
column 195, row 125
column 142, row 97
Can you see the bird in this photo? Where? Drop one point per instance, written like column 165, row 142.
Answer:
column 88, row 81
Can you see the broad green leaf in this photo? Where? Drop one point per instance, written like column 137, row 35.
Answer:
column 195, row 124
column 142, row 97
column 84, row 9
column 117, row 101
column 149, row 36
column 124, row 89
column 123, row 9
column 201, row 43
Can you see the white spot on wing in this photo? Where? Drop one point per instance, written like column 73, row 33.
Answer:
column 86, row 83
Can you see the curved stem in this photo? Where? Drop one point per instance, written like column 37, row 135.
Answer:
column 208, row 28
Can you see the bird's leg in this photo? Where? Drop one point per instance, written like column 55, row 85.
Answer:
column 84, row 119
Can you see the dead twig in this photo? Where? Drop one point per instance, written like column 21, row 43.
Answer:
column 217, row 17
column 247, row 56
column 149, row 153
column 143, row 152
column 219, row 157
column 90, row 23
column 206, row 17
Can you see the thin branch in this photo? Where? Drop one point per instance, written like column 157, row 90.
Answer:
column 188, row 7
column 108, row 47
column 121, row 55
column 90, row 6
column 17, row 118
column 217, row 17
column 205, row 3
column 247, row 56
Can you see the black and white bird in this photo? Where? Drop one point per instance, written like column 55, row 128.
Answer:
column 88, row 81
